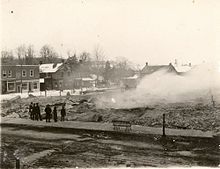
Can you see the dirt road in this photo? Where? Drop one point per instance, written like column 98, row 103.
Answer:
column 98, row 149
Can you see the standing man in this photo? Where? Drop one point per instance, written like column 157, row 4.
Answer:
column 48, row 113
column 55, row 114
column 31, row 111
column 38, row 112
column 34, row 112
column 63, row 113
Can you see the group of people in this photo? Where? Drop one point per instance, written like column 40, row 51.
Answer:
column 34, row 111
column 35, row 114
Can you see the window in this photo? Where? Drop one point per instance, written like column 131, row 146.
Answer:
column 11, row 86
column 24, row 86
column 55, row 84
column 4, row 73
column 9, row 73
column 48, row 75
column 31, row 73
column 35, row 85
column 61, row 74
column 68, row 73
column 23, row 73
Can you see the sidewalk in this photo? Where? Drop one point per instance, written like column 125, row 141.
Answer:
column 106, row 127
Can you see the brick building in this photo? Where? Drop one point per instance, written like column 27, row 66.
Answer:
column 13, row 77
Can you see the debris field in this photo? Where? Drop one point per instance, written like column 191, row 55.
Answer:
column 199, row 116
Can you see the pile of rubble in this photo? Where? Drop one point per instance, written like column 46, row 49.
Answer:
column 83, row 108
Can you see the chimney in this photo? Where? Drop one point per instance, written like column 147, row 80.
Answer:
column 190, row 64
column 146, row 63
column 176, row 62
column 54, row 65
column 170, row 64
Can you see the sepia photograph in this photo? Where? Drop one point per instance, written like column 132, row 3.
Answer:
column 109, row 84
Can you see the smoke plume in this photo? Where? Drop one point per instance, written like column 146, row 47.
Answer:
column 199, row 85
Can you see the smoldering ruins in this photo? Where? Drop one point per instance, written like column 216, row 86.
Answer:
column 99, row 84
column 190, row 105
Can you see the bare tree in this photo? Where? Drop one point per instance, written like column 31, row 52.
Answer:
column 98, row 54
column 71, row 52
column 99, row 63
column 85, row 57
column 7, row 57
column 48, row 54
column 29, row 57
column 122, row 68
column 21, row 53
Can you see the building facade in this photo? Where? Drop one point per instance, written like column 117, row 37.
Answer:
column 19, row 78
column 51, row 76
column 62, row 76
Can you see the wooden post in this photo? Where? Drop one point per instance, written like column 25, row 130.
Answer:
column 213, row 101
column 164, row 123
column 17, row 163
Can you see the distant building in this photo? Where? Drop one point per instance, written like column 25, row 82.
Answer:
column 130, row 82
column 77, row 79
column 51, row 76
column 183, row 69
column 63, row 76
column 149, row 69
column 12, row 76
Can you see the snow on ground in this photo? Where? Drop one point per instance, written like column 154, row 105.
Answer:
column 48, row 93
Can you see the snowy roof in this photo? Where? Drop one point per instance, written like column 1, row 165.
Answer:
column 183, row 68
column 87, row 79
column 50, row 67
column 131, row 77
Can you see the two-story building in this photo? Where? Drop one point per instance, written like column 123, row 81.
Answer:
column 61, row 76
column 19, row 78
column 51, row 76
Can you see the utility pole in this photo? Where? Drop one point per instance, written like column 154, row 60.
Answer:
column 164, row 123
column 213, row 101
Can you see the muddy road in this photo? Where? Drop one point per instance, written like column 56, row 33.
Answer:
column 99, row 149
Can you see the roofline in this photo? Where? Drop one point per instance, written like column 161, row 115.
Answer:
column 157, row 66
column 50, row 71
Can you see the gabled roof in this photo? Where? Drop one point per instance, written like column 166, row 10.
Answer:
column 50, row 67
column 148, row 69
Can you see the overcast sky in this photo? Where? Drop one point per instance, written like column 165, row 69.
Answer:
column 157, row 31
